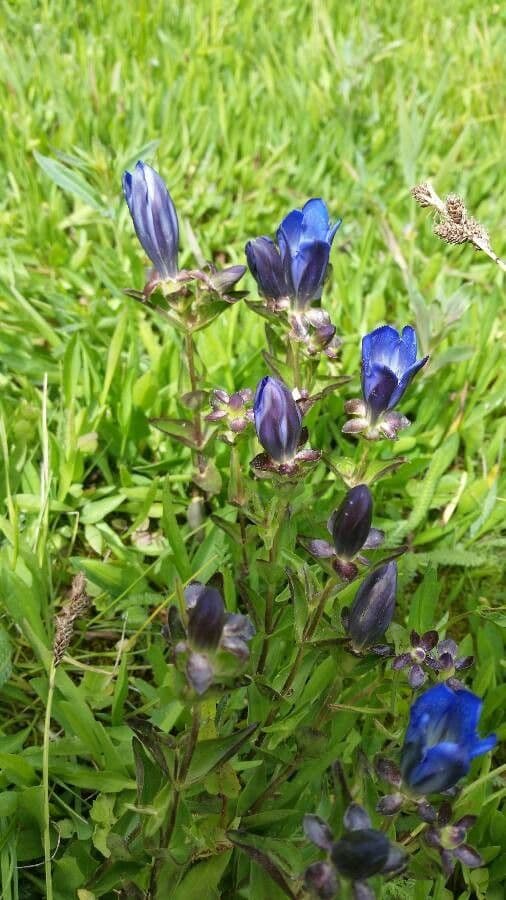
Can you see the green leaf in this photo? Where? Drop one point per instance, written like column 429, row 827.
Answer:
column 422, row 609
column 210, row 754
column 71, row 182
column 208, row 874
column 172, row 532
column 5, row 656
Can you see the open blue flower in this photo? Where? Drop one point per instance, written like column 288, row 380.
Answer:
column 442, row 739
column 388, row 364
column 296, row 268
column 154, row 217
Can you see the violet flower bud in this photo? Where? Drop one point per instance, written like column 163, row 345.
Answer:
column 206, row 620
column 373, row 607
column 360, row 854
column 351, row 523
column 154, row 217
column 278, row 421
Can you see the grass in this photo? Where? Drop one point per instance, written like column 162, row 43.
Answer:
column 246, row 110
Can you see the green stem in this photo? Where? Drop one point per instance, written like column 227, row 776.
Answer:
column 179, row 786
column 45, row 783
column 269, row 600
column 190, row 746
column 194, row 385
column 272, row 787
column 310, row 629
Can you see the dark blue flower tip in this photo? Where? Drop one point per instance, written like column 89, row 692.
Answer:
column 442, row 739
column 351, row 523
column 206, row 619
column 307, row 225
column 361, row 854
column 389, row 363
column 278, row 421
column 154, row 217
column 266, row 267
column 373, row 607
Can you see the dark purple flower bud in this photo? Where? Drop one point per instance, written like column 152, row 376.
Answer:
column 320, row 880
column 154, row 217
column 278, row 421
column 373, row 607
column 360, row 854
column 388, row 771
column 390, row 804
column 351, row 523
column 317, row 831
column 266, row 267
column 206, row 620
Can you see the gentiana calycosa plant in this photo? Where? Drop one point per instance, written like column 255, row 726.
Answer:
column 288, row 710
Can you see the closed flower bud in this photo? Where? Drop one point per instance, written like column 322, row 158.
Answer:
column 266, row 267
column 351, row 523
column 278, row 421
column 154, row 217
column 360, row 854
column 206, row 620
column 373, row 607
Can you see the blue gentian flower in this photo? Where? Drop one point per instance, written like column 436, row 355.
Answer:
column 154, row 217
column 296, row 268
column 388, row 364
column 442, row 739
column 278, row 420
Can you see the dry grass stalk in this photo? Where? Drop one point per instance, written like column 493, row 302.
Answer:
column 454, row 225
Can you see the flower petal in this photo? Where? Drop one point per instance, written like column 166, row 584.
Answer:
column 266, row 267
column 439, row 769
column 379, row 385
column 289, row 233
column 308, row 268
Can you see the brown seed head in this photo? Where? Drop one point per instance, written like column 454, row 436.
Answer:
column 76, row 606
column 455, row 208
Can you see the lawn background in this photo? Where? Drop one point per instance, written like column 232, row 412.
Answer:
column 247, row 109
